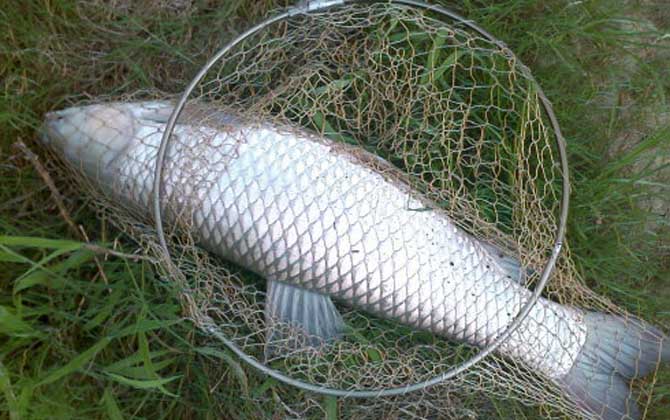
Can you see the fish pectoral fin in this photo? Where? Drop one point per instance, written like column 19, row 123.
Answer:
column 296, row 317
column 508, row 264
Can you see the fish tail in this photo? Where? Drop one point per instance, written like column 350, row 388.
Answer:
column 615, row 351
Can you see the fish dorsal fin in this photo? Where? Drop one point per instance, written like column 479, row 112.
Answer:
column 159, row 112
column 297, row 317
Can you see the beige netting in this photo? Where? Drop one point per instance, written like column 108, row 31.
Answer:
column 460, row 118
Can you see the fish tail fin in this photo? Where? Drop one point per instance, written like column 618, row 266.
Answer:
column 616, row 350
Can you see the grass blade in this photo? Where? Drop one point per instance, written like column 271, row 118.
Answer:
column 35, row 242
column 75, row 364
column 8, row 392
column 145, row 325
column 144, row 384
column 12, row 325
column 331, row 408
column 111, row 406
column 236, row 368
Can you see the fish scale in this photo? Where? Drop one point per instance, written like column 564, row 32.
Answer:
column 298, row 209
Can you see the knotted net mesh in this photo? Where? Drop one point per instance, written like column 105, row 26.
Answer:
column 453, row 115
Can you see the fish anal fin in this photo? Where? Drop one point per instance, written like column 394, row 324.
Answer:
column 296, row 317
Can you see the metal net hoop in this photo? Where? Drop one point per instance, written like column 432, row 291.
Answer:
column 452, row 372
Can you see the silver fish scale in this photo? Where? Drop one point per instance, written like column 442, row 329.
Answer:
column 298, row 209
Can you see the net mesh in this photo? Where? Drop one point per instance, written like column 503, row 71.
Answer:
column 459, row 118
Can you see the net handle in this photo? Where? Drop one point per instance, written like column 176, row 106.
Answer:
column 322, row 5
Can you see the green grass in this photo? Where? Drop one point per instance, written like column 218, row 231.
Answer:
column 83, row 335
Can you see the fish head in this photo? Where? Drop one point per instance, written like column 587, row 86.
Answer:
column 91, row 137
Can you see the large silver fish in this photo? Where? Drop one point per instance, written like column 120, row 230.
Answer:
column 318, row 220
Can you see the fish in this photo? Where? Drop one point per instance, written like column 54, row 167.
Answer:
column 322, row 221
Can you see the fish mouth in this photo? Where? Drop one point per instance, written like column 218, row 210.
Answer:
column 50, row 132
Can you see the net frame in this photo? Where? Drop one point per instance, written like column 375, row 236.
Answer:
column 321, row 6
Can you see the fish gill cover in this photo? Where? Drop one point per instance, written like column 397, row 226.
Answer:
column 441, row 113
